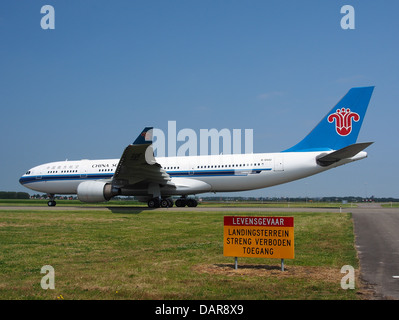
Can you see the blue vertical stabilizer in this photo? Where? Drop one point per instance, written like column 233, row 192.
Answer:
column 341, row 126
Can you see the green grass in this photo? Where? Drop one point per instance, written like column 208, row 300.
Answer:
column 165, row 255
column 391, row 205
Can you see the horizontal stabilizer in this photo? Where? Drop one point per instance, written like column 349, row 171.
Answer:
column 344, row 153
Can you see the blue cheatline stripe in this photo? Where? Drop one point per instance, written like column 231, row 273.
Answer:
column 39, row 178
column 185, row 173
column 215, row 173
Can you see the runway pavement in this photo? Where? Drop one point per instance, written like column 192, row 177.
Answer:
column 377, row 243
column 376, row 236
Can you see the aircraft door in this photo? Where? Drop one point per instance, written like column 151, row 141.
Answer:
column 83, row 170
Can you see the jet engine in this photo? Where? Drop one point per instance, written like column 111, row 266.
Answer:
column 96, row 191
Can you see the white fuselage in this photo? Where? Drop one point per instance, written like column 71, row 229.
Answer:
column 214, row 173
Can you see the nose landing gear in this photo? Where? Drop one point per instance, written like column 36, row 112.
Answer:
column 52, row 202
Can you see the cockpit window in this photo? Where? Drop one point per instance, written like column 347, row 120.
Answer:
column 28, row 172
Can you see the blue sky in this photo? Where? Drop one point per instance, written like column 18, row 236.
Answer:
column 109, row 68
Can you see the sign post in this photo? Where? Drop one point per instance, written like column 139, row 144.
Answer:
column 259, row 237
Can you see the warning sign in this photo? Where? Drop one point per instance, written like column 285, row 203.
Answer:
column 259, row 237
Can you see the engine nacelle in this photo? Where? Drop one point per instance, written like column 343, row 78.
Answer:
column 96, row 191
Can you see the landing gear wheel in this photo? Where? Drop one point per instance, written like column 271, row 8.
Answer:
column 192, row 203
column 180, row 203
column 153, row 203
column 165, row 203
column 51, row 203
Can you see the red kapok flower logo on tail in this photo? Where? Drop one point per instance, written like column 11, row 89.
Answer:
column 343, row 120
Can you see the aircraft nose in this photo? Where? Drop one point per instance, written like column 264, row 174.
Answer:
column 24, row 177
column 21, row 180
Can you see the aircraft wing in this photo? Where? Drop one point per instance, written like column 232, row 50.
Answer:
column 137, row 167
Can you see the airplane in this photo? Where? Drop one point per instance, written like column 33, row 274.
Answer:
column 156, row 180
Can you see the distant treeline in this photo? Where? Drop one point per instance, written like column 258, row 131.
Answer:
column 14, row 195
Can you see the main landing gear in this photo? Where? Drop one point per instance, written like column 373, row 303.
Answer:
column 156, row 203
column 182, row 202
column 168, row 203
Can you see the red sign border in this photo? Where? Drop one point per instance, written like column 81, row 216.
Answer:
column 262, row 221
